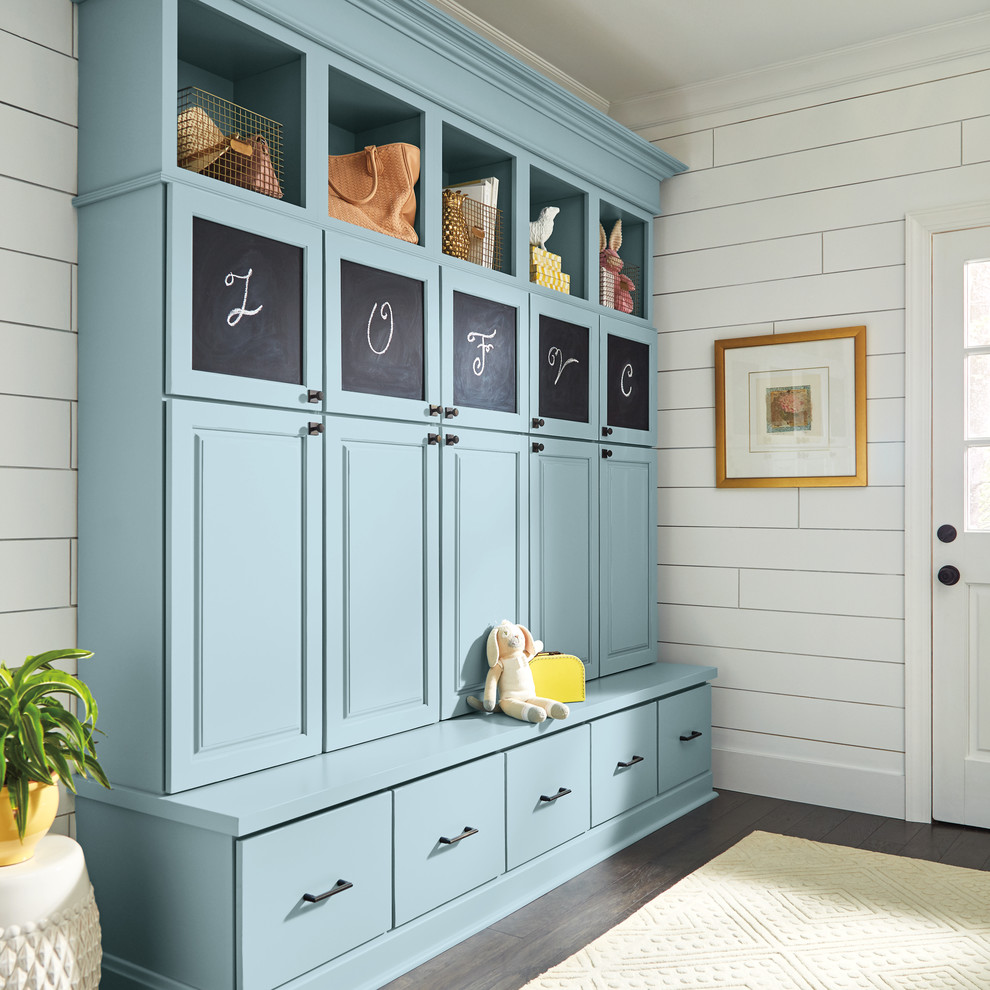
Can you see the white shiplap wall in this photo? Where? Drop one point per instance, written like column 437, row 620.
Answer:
column 38, row 74
column 792, row 218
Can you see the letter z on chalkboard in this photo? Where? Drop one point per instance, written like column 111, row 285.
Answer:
column 247, row 313
column 382, row 333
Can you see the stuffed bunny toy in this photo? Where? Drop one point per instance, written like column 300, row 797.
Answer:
column 621, row 286
column 510, row 649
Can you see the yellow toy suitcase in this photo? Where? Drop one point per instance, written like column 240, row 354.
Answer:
column 559, row 676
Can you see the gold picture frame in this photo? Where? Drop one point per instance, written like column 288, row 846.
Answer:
column 790, row 410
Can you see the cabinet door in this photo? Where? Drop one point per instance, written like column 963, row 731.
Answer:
column 628, row 589
column 245, row 302
column 383, row 567
column 485, row 564
column 244, row 672
column 382, row 331
column 485, row 379
column 563, row 550
column 563, row 380
column 627, row 367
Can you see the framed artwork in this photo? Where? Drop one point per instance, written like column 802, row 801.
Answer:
column 790, row 410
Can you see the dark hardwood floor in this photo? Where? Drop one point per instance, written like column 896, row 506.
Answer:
column 518, row 948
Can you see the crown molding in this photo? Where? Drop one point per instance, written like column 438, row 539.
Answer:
column 438, row 31
column 900, row 60
column 521, row 52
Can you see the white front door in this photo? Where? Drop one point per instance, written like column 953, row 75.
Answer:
column 961, row 526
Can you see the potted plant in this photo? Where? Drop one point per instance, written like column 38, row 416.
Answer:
column 41, row 742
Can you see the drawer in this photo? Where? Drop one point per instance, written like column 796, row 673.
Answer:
column 623, row 762
column 685, row 735
column 547, row 793
column 449, row 835
column 281, row 933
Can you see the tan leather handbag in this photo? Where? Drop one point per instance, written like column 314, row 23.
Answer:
column 374, row 188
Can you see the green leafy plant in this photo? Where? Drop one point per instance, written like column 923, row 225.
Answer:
column 39, row 737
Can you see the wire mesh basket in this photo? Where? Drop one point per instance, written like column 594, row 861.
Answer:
column 227, row 142
column 620, row 290
column 484, row 225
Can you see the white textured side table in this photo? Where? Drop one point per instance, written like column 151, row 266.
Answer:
column 49, row 925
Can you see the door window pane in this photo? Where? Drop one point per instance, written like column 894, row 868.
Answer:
column 977, row 303
column 978, row 391
column 979, row 488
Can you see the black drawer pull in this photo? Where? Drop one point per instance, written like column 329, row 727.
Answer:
column 632, row 762
column 563, row 792
column 694, row 735
column 457, row 838
column 339, row 886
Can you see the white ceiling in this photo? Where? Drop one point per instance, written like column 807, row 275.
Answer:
column 625, row 49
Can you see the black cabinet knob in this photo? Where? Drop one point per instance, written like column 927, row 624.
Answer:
column 606, row 431
column 450, row 411
column 315, row 429
column 434, row 410
column 451, row 438
column 949, row 574
column 946, row 533
column 606, row 454
column 537, row 423
column 432, row 438
column 537, row 448
column 314, row 395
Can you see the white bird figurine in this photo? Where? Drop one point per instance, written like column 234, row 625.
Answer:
column 541, row 228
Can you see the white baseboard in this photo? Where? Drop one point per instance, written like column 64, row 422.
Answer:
column 870, row 791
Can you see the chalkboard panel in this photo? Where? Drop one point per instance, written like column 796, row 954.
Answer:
column 484, row 350
column 382, row 332
column 564, row 370
column 247, row 313
column 627, row 401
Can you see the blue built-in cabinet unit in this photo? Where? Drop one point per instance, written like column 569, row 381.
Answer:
column 318, row 463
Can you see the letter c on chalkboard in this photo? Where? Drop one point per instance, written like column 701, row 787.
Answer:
column 627, row 370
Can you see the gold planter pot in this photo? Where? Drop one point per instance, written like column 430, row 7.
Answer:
column 42, row 808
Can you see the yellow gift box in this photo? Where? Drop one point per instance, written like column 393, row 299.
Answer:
column 562, row 283
column 558, row 676
column 542, row 258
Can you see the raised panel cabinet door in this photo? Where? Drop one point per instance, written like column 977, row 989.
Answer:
column 383, row 573
column 245, row 303
column 563, row 550
column 627, row 366
column 484, row 522
column 628, row 587
column 685, row 735
column 244, row 576
column 310, row 890
column 485, row 376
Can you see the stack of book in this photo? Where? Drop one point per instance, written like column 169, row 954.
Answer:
column 544, row 269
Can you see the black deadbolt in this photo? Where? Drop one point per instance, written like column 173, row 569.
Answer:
column 948, row 574
column 946, row 533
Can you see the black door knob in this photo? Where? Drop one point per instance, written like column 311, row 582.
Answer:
column 606, row 431
column 450, row 411
column 946, row 533
column 537, row 448
column 537, row 423
column 948, row 574
column 451, row 438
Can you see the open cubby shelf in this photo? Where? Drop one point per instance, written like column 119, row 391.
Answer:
column 251, row 70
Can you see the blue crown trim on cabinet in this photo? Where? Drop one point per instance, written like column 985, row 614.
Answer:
column 315, row 470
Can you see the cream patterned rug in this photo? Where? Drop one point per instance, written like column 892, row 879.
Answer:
column 779, row 913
